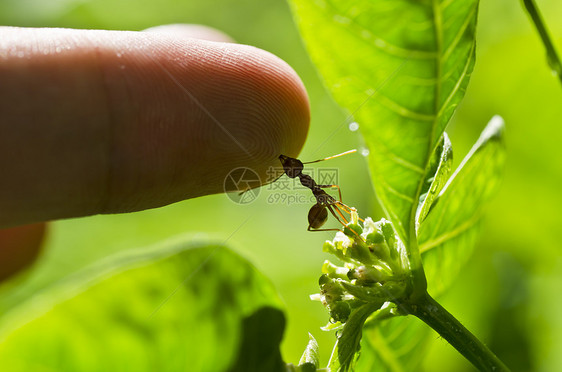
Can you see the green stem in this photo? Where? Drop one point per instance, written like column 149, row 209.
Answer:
column 434, row 315
column 419, row 282
column 553, row 59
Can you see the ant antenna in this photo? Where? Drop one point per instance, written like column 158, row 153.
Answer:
column 331, row 157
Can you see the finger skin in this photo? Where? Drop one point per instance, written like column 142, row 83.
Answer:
column 191, row 31
column 19, row 248
column 110, row 121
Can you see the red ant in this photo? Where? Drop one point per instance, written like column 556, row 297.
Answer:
column 318, row 214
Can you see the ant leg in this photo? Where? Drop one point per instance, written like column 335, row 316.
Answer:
column 332, row 186
column 329, row 206
column 340, row 202
column 313, row 229
column 347, row 209
column 346, row 222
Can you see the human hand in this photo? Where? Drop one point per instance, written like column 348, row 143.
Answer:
column 110, row 121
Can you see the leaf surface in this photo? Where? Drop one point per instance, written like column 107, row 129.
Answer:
column 347, row 346
column 261, row 335
column 401, row 68
column 178, row 306
column 311, row 353
column 449, row 233
column 439, row 172
column 395, row 345
column 447, row 238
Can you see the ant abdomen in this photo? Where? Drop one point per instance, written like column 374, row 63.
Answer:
column 317, row 216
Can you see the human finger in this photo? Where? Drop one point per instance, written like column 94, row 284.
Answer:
column 111, row 121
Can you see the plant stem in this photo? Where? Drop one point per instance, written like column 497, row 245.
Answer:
column 434, row 315
column 552, row 56
column 419, row 281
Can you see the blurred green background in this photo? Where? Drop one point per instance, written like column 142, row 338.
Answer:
column 509, row 294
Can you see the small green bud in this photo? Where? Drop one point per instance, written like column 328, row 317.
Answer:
column 324, row 279
column 389, row 236
column 340, row 311
column 360, row 252
column 329, row 247
column 365, row 294
column 381, row 251
column 368, row 275
column 334, row 271
column 332, row 291
column 387, row 231
column 353, row 231
column 375, row 237
column 341, row 243
column 328, row 267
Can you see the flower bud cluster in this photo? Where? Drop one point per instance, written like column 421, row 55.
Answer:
column 375, row 267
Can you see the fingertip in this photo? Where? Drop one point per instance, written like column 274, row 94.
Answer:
column 278, row 111
column 191, row 31
column 227, row 106
column 285, row 96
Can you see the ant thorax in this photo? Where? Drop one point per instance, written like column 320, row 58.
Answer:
column 307, row 181
column 322, row 197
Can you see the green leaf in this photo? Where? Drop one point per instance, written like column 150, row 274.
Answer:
column 404, row 66
column 347, row 346
column 311, row 353
column 448, row 235
column 262, row 334
column 389, row 345
column 439, row 171
column 173, row 307
column 397, row 344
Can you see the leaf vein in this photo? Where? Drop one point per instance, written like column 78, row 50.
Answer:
column 386, row 354
column 459, row 81
column 459, row 34
column 428, row 245
column 377, row 41
column 445, row 4
column 406, row 164
column 397, row 193
column 403, row 111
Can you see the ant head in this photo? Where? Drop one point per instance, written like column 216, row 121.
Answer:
column 292, row 167
column 317, row 216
